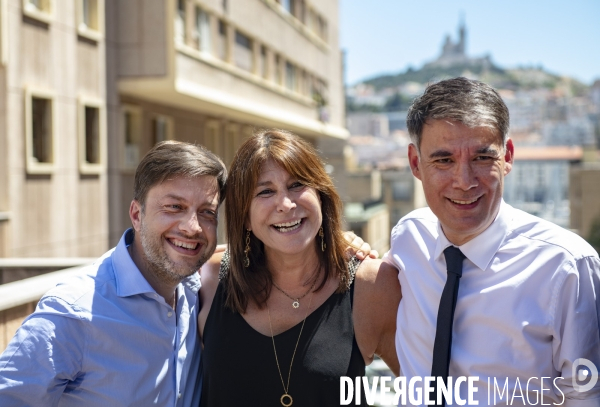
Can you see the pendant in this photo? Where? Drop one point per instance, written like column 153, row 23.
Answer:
column 295, row 304
column 288, row 397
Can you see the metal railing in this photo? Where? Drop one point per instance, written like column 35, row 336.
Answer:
column 19, row 298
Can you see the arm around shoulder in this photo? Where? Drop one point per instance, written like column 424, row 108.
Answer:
column 376, row 298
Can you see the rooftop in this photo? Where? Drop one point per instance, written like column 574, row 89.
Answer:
column 540, row 153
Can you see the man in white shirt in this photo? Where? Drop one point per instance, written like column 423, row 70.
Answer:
column 527, row 315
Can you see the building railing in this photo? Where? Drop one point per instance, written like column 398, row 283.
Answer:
column 19, row 298
column 14, row 269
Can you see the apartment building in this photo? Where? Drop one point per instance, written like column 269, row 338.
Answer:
column 53, row 180
column 212, row 71
column 539, row 181
column 87, row 87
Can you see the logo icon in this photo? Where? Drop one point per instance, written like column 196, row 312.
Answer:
column 585, row 375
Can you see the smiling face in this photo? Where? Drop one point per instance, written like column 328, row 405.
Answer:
column 462, row 170
column 176, row 232
column 284, row 214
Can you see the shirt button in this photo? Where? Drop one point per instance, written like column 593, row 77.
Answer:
column 179, row 396
column 169, row 314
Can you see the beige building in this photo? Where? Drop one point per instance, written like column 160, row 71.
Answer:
column 211, row 71
column 370, row 220
column 376, row 200
column 402, row 193
column 88, row 86
column 584, row 196
column 53, row 179
column 364, row 212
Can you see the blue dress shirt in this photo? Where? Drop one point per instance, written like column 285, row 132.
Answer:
column 106, row 338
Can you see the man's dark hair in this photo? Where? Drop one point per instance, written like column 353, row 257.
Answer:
column 170, row 159
column 473, row 103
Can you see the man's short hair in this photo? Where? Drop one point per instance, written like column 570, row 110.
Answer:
column 171, row 159
column 473, row 103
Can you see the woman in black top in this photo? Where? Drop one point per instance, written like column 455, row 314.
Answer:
column 284, row 313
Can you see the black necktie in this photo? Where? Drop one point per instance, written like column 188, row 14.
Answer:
column 443, row 334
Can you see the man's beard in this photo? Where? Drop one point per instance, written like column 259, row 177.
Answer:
column 159, row 263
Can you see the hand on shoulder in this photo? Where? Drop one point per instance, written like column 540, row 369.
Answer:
column 209, row 272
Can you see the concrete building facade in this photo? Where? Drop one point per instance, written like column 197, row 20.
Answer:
column 87, row 87
column 584, row 195
column 212, row 71
column 539, row 181
column 53, row 181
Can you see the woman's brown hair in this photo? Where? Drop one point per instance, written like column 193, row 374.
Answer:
column 300, row 159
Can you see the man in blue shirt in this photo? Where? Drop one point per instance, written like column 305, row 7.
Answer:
column 123, row 333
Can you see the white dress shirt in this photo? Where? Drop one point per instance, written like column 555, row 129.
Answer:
column 527, row 308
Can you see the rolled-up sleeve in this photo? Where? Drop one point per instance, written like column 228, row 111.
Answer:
column 44, row 356
column 577, row 333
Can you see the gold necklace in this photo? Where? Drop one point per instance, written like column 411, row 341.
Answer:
column 296, row 302
column 286, row 400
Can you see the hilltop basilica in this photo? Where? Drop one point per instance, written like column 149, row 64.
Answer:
column 454, row 53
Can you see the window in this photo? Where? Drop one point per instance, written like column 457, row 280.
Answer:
column 202, row 31
column 90, row 19
column 305, row 89
column 319, row 92
column 131, row 136
column 211, row 136
column 287, row 5
column 312, row 20
column 39, row 9
column 231, row 141
column 162, row 129
column 290, row 76
column 278, row 77
column 295, row 8
column 222, row 41
column 300, row 10
column 322, row 28
column 39, row 131
column 316, row 23
column 180, row 22
column 91, row 136
column 263, row 63
column 243, row 52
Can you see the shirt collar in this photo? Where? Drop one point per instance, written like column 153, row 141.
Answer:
column 130, row 280
column 482, row 248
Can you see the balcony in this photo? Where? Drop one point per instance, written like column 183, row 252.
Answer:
column 258, row 70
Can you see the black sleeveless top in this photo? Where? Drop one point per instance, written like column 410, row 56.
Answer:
column 239, row 367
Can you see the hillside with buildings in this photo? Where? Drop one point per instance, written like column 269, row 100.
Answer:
column 384, row 92
column 554, row 121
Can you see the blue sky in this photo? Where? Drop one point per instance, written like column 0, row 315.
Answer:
column 387, row 36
